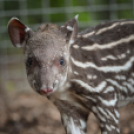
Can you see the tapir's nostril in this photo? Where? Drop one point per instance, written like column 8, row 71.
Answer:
column 46, row 90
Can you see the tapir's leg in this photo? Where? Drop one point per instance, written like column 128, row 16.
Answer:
column 73, row 118
column 109, row 119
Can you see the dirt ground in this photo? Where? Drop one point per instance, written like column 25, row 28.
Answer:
column 29, row 113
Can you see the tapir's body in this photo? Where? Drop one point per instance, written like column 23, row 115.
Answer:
column 90, row 71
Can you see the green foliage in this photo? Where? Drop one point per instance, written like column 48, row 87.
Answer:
column 60, row 17
column 32, row 4
column 11, row 5
column 103, row 15
column 34, row 19
column 101, row 2
column 57, row 3
column 84, row 16
column 125, row 14
column 123, row 1
column 79, row 2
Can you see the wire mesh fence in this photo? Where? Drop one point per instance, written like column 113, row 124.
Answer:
column 33, row 13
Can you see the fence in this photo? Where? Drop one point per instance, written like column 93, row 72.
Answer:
column 33, row 13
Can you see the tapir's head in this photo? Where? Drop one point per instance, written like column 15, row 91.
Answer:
column 46, row 52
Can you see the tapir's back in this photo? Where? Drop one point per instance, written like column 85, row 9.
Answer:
column 103, row 60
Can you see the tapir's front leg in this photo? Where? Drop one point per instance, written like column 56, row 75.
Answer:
column 73, row 118
column 108, row 118
column 74, row 125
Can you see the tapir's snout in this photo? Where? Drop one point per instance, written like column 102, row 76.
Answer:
column 46, row 91
column 49, row 89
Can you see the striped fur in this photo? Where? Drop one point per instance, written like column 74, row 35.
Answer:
column 105, row 62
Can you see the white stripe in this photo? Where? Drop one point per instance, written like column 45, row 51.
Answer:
column 83, row 124
column 131, row 81
column 76, row 73
column 71, row 41
column 89, row 97
column 75, row 46
column 116, row 69
column 110, row 45
column 110, row 102
column 74, row 129
column 111, row 57
column 109, row 89
column 116, row 120
column 108, row 128
column 94, row 109
column 116, row 113
column 118, row 130
column 114, row 25
column 130, row 87
column 115, row 83
column 113, row 127
column 127, row 22
column 107, row 28
column 70, row 28
column 103, row 112
column 91, row 76
column 97, row 89
column 94, row 76
column 120, row 77
column 123, row 56
column 88, row 34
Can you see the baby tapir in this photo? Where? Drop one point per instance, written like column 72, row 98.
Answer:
column 80, row 72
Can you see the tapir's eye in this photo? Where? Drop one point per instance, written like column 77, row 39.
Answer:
column 29, row 62
column 62, row 62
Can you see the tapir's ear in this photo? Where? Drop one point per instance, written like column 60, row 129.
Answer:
column 17, row 32
column 71, row 29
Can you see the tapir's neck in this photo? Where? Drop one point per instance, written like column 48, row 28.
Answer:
column 68, row 97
